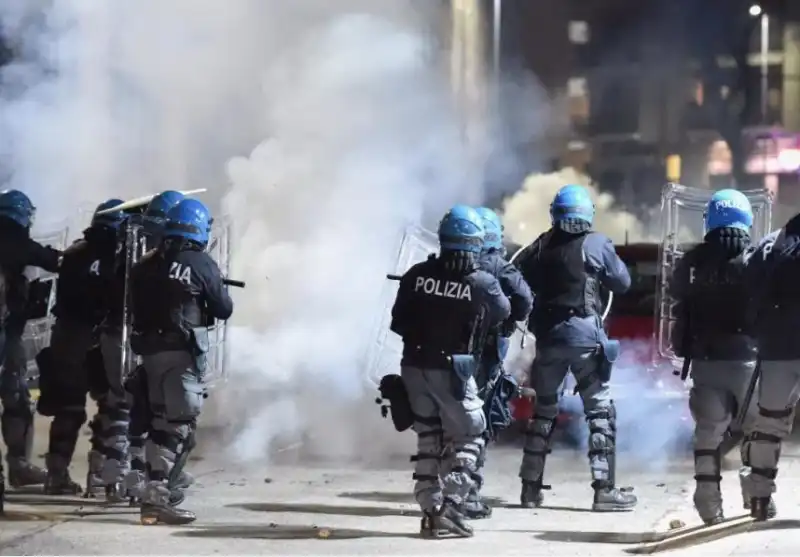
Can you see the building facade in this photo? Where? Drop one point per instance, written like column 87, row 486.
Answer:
column 645, row 80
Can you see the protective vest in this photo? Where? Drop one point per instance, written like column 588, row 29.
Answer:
column 719, row 318
column 446, row 317
column 718, row 295
column 83, row 291
column 782, row 290
column 564, row 287
column 162, row 304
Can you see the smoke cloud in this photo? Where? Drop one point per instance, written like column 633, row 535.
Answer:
column 526, row 214
column 320, row 129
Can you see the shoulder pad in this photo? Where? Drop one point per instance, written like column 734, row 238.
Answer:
column 76, row 246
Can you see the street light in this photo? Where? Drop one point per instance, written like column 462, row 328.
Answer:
column 756, row 11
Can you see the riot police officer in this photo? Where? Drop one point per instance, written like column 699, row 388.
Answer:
column 65, row 366
column 712, row 330
column 773, row 273
column 519, row 295
column 565, row 268
column 153, row 221
column 444, row 308
column 176, row 290
column 18, row 251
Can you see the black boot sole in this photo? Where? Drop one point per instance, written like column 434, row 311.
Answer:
column 452, row 526
column 612, row 508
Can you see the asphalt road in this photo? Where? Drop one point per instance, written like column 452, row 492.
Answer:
column 299, row 505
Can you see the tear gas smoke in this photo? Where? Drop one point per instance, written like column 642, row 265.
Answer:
column 526, row 214
column 654, row 425
column 360, row 114
column 126, row 98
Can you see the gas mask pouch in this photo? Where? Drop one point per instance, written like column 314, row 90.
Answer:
column 394, row 390
column 464, row 367
column 609, row 352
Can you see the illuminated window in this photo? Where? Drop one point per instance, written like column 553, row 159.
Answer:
column 576, row 87
column 578, row 32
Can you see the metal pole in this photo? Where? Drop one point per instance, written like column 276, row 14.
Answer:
column 497, row 18
column 764, row 66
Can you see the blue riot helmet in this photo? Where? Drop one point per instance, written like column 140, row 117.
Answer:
column 728, row 209
column 572, row 202
column 16, row 206
column 189, row 219
column 112, row 219
column 155, row 215
column 493, row 228
column 161, row 204
column 461, row 229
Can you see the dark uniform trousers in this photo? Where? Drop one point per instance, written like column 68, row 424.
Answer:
column 176, row 394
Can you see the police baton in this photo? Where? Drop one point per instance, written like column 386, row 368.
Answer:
column 393, row 277
column 234, row 283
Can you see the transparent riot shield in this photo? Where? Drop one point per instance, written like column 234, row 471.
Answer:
column 522, row 336
column 385, row 349
column 135, row 246
column 41, row 299
column 219, row 250
column 682, row 209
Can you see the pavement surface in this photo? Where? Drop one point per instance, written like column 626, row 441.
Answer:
column 299, row 506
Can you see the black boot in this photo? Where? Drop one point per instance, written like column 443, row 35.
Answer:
column 22, row 473
column 531, row 496
column 608, row 498
column 151, row 515
column 762, row 508
column 708, row 500
column 116, row 493
column 445, row 519
column 711, row 519
column 428, row 527
column 59, row 482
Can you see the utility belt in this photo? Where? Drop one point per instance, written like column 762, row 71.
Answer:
column 550, row 316
column 423, row 357
column 194, row 340
column 723, row 346
column 393, row 389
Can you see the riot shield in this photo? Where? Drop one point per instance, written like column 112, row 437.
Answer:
column 135, row 246
column 385, row 350
column 41, row 299
column 219, row 250
column 682, row 210
column 521, row 334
